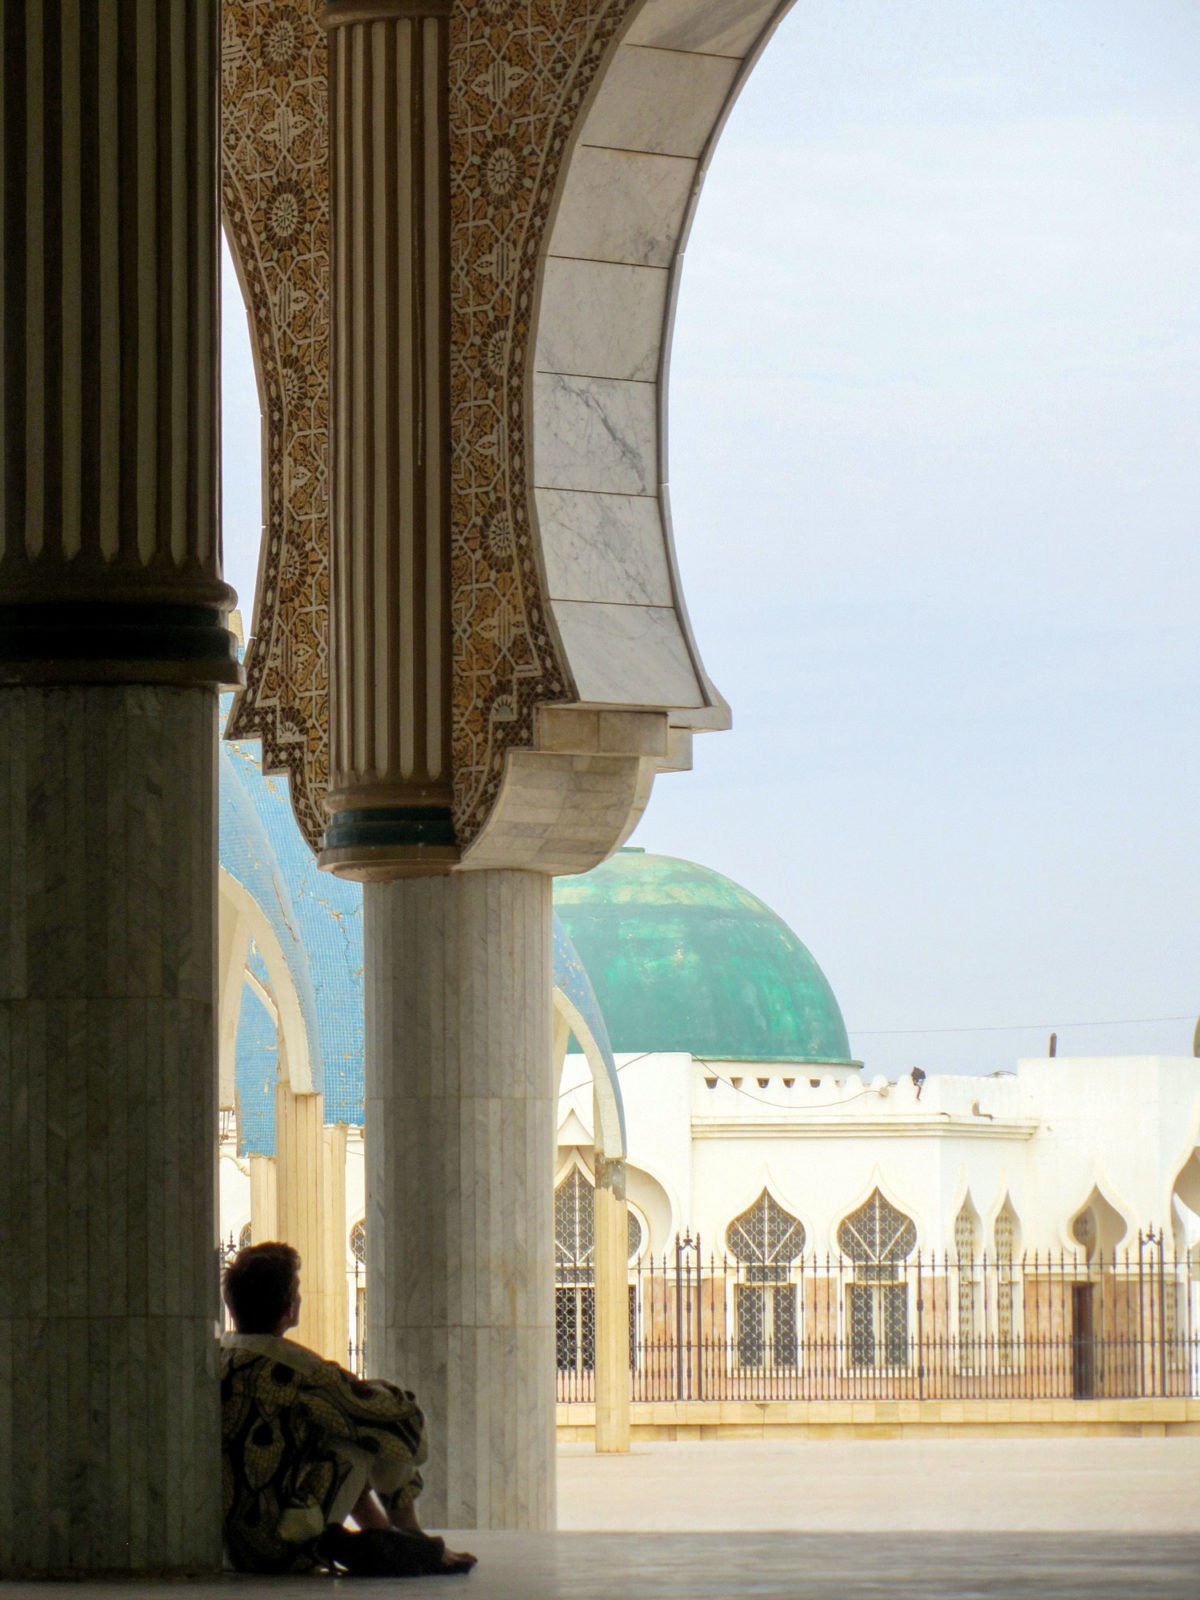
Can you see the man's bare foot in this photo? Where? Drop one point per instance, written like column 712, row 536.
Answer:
column 459, row 1560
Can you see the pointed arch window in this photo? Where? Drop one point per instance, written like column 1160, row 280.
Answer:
column 966, row 1250
column 877, row 1239
column 1006, row 1234
column 764, row 1241
column 575, row 1272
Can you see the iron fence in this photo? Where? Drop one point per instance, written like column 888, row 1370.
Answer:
column 927, row 1327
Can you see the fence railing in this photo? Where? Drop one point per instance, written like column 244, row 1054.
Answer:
column 934, row 1327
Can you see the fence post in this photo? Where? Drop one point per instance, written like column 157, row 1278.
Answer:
column 678, row 1318
column 920, row 1331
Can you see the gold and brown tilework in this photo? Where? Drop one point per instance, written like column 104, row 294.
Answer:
column 520, row 75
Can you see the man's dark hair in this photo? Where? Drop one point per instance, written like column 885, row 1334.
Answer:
column 260, row 1285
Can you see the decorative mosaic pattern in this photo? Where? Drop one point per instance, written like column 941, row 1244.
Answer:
column 275, row 194
column 520, row 72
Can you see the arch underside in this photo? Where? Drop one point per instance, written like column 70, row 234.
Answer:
column 564, row 589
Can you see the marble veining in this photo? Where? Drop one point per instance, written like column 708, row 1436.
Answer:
column 712, row 27
column 661, row 102
column 601, row 319
column 605, row 547
column 595, row 433
column 628, row 655
column 623, row 206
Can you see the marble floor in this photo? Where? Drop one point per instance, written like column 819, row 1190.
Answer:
column 888, row 1520
column 761, row 1566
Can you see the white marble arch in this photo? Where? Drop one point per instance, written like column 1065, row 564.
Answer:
column 240, row 919
column 603, row 336
column 609, row 1116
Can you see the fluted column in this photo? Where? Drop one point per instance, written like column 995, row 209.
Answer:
column 302, row 1205
column 390, row 668
column 612, row 1307
column 264, row 1199
column 110, row 560
column 460, row 1149
column 112, row 644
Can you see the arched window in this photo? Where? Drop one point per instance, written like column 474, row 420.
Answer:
column 877, row 1238
column 574, row 1272
column 764, row 1241
column 966, row 1249
column 358, row 1340
column 635, row 1236
column 1006, row 1233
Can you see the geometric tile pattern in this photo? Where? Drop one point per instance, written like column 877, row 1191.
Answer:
column 520, row 74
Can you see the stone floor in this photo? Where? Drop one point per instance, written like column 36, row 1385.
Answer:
column 1055, row 1519
column 942, row 1485
column 760, row 1566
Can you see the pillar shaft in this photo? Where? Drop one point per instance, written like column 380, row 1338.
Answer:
column 302, row 1207
column 337, row 1299
column 612, row 1308
column 460, row 1147
column 112, row 643
column 109, row 1446
column 390, row 661
column 264, row 1199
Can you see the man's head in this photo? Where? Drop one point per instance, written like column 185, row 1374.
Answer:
column 262, row 1288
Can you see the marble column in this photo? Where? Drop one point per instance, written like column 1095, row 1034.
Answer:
column 612, row 1308
column 109, row 1446
column 460, row 1149
column 112, row 645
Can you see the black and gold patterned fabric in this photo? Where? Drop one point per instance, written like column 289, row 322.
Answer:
column 301, row 1438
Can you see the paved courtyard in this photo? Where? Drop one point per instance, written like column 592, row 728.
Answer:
column 1048, row 1485
column 1095, row 1519
column 1051, row 1519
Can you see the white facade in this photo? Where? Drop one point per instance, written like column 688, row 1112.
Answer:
column 1060, row 1136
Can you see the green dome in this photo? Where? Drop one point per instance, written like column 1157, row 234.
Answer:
column 682, row 958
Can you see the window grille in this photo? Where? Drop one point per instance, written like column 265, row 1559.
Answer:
column 1006, row 1244
column 766, row 1234
column 634, row 1238
column 966, row 1239
column 765, row 1240
column 1083, row 1230
column 575, row 1264
column 358, row 1242
column 574, row 1260
column 877, row 1238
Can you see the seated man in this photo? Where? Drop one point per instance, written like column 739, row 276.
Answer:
column 306, row 1444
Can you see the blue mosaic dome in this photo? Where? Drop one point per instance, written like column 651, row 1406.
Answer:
column 318, row 922
column 317, row 919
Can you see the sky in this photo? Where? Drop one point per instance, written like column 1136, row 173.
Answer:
column 935, row 402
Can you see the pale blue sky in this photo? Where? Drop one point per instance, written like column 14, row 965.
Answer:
column 934, row 467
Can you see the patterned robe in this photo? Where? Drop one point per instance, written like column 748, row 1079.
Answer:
column 301, row 1438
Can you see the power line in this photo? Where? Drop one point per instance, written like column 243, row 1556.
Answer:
column 1020, row 1027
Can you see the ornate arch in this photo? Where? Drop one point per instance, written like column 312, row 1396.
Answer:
column 537, row 94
